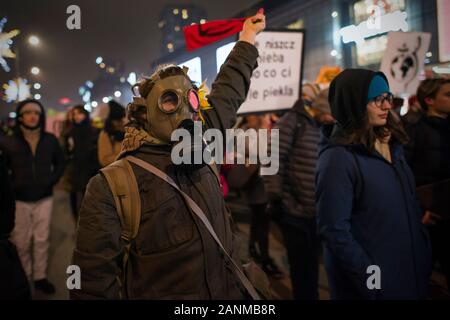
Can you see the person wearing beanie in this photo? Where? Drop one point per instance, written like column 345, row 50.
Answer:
column 292, row 191
column 111, row 137
column 36, row 162
column 375, row 246
column 80, row 149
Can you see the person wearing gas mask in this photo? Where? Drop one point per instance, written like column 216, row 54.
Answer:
column 36, row 162
column 171, row 254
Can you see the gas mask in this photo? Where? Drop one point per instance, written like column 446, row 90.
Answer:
column 172, row 103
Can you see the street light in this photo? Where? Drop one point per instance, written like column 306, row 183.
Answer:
column 34, row 41
column 117, row 94
column 35, row 70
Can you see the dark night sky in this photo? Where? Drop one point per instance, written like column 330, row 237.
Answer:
column 115, row 29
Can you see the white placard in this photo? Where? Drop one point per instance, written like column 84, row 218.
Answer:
column 403, row 60
column 275, row 84
column 195, row 69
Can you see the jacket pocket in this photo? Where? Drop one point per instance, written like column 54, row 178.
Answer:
column 165, row 224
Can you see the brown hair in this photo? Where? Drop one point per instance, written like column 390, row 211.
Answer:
column 367, row 135
column 428, row 88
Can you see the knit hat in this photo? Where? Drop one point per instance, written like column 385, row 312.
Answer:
column 377, row 87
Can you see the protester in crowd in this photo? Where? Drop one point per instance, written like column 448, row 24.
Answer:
column 428, row 154
column 292, row 190
column 80, row 149
column 172, row 254
column 37, row 163
column 111, row 137
column 13, row 281
column 375, row 246
column 257, row 200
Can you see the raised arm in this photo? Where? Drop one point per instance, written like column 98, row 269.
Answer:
column 231, row 86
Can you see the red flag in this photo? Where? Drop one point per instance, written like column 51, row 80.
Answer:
column 200, row 35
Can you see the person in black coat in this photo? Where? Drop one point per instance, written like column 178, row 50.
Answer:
column 13, row 281
column 375, row 245
column 80, row 149
column 428, row 154
column 37, row 163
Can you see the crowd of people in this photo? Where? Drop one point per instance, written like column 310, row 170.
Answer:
column 358, row 186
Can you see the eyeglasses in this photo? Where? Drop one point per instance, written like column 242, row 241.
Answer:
column 170, row 101
column 379, row 101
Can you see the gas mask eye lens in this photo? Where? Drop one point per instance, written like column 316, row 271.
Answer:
column 193, row 100
column 169, row 102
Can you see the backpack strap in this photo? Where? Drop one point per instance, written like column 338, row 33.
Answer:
column 123, row 185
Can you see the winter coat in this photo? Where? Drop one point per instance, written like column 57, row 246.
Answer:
column 294, row 183
column 80, row 148
column 13, row 281
column 367, row 210
column 428, row 151
column 33, row 176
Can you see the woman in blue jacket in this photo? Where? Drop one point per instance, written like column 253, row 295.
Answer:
column 375, row 246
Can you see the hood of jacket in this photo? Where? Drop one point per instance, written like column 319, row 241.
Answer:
column 348, row 96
